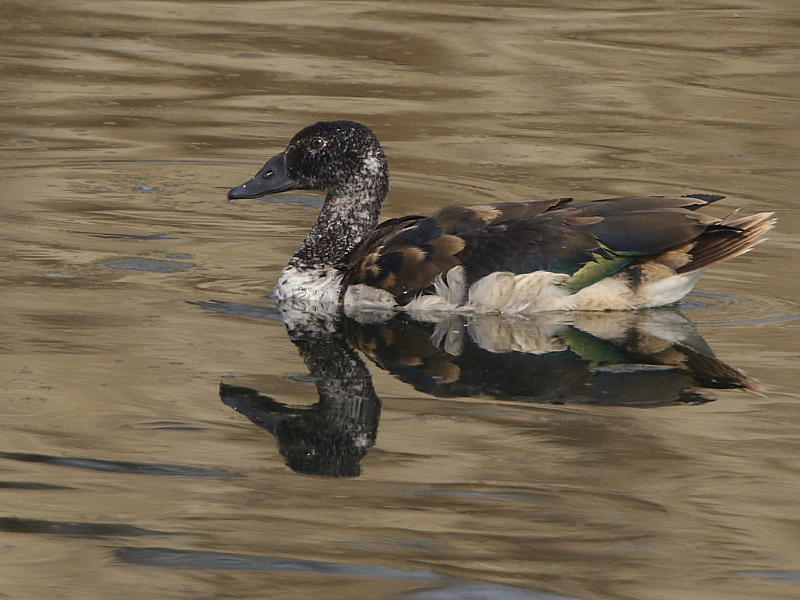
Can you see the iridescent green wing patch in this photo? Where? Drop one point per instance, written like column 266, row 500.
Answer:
column 604, row 263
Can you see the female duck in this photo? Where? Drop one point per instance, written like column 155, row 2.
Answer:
column 512, row 257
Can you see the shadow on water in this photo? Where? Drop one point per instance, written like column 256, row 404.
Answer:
column 644, row 359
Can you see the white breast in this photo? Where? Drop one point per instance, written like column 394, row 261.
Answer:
column 312, row 285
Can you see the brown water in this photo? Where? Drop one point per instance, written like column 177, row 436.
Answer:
column 123, row 475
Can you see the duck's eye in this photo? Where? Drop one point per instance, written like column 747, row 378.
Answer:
column 316, row 143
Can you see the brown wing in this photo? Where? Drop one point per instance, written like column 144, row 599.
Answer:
column 404, row 256
column 457, row 220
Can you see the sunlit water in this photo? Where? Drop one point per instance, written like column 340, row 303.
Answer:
column 132, row 290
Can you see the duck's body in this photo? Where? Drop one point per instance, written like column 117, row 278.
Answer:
column 513, row 257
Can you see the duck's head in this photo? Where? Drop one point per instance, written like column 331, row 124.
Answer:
column 335, row 157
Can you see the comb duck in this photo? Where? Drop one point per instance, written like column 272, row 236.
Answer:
column 512, row 257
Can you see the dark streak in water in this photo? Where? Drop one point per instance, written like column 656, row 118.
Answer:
column 268, row 313
column 791, row 576
column 225, row 561
column 31, row 485
column 164, row 161
column 152, row 265
column 115, row 466
column 473, row 495
column 302, row 199
column 448, row 588
column 127, row 236
column 71, row 528
column 478, row 590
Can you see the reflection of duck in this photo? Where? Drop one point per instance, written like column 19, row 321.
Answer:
column 514, row 257
column 652, row 358
column 330, row 437
column 640, row 359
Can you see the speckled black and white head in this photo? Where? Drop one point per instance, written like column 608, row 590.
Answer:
column 343, row 159
column 336, row 157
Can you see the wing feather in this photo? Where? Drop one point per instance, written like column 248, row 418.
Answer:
column 588, row 241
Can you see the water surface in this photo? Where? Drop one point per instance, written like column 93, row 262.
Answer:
column 125, row 475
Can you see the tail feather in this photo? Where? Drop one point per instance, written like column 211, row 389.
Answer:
column 727, row 240
column 706, row 198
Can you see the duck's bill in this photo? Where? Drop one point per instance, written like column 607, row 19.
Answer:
column 271, row 179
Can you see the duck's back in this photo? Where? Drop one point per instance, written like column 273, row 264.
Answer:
column 619, row 253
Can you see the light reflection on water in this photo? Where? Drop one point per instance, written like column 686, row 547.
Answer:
column 123, row 475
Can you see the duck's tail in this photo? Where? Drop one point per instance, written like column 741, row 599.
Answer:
column 725, row 240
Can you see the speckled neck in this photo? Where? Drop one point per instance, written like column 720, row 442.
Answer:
column 349, row 215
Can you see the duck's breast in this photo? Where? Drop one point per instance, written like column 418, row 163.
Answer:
column 310, row 284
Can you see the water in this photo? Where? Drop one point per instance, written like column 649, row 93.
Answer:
column 132, row 289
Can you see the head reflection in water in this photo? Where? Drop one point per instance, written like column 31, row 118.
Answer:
column 328, row 438
column 634, row 359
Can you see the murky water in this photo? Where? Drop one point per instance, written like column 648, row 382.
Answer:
column 469, row 468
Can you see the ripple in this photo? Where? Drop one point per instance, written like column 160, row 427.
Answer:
column 116, row 466
column 76, row 529
column 227, row 561
column 269, row 313
column 152, row 265
column 710, row 308
column 792, row 576
column 448, row 588
column 478, row 590
column 31, row 485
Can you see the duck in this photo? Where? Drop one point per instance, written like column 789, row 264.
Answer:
column 515, row 257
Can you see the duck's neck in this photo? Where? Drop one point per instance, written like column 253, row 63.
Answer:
column 348, row 216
